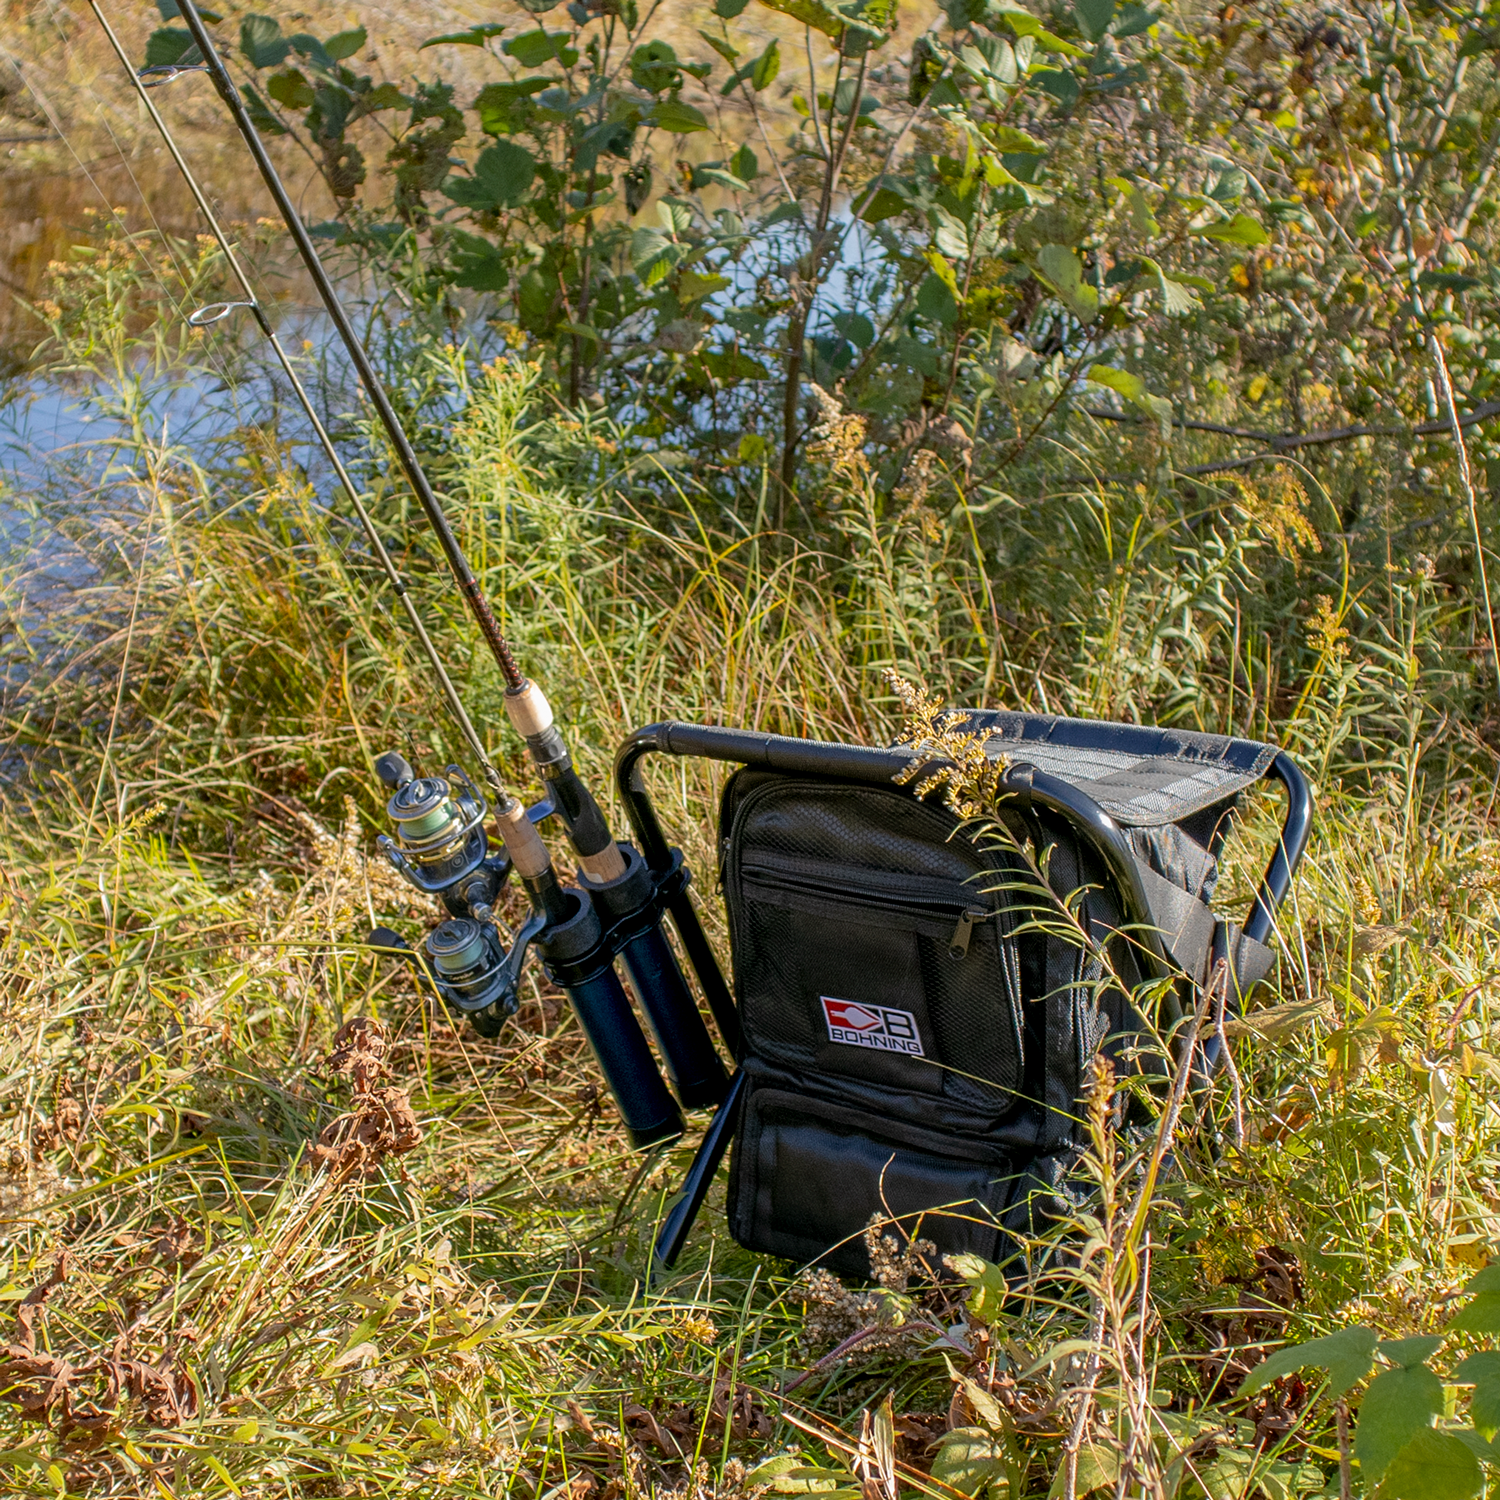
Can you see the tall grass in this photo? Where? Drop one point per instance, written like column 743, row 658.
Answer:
column 192, row 716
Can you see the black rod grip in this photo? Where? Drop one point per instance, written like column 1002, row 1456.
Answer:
column 581, row 813
column 697, row 1076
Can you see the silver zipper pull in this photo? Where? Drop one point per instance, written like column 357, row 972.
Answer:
column 958, row 944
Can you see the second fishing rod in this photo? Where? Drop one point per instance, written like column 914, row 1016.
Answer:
column 617, row 908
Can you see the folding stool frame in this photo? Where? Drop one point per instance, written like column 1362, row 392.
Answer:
column 1028, row 784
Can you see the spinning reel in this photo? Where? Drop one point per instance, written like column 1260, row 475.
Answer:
column 440, row 848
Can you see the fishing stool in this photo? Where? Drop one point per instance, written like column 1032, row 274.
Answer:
column 917, row 1001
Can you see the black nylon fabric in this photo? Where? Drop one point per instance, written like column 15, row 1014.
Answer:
column 956, row 1109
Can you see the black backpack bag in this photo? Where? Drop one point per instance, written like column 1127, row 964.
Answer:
column 912, row 1017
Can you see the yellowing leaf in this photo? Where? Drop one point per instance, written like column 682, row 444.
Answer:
column 1240, row 230
column 1062, row 270
column 810, row 13
column 1133, row 389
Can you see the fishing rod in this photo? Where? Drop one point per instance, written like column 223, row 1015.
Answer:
column 440, row 845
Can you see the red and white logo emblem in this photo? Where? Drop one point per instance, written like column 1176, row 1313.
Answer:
column 878, row 1027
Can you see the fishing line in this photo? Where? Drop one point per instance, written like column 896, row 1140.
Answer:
column 205, row 317
column 152, row 271
column 616, row 910
column 526, row 705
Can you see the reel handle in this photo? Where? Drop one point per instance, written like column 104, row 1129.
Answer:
column 394, row 770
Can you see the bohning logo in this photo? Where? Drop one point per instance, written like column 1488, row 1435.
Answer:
column 878, row 1027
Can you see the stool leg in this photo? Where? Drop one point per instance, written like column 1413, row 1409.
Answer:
column 679, row 1221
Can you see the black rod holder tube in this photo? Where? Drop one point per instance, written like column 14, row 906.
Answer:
column 648, row 1110
column 658, row 856
column 700, row 955
column 631, row 905
column 697, row 1076
column 578, row 958
column 673, row 1233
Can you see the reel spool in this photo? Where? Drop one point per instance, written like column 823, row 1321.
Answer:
column 439, row 832
column 472, row 974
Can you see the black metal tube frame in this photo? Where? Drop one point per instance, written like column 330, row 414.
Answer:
column 880, row 767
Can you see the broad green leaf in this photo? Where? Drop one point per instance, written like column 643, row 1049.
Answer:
column 502, row 174
column 654, row 67
column 1098, row 1469
column 382, row 96
column 1024, row 24
column 765, row 68
column 766, row 1471
column 969, row 1460
column 727, row 10
column 808, row 1479
column 720, row 176
column 884, row 205
column 290, row 88
column 169, row 10
column 1480, row 1315
column 1347, row 1355
column 744, row 164
column 732, row 364
column 1228, row 186
column 475, row 36
column 1176, row 296
column 346, row 43
column 952, row 237
column 1397, row 1406
column 1482, row 1371
column 1486, row 1280
column 1409, row 1353
column 988, row 1288
column 678, row 117
column 1094, row 17
column 859, row 330
column 170, row 45
column 1008, row 138
column 730, row 53
column 936, row 299
column 260, row 112
column 1240, row 230
column 809, row 13
column 694, row 286
column 1433, row 1466
column 313, row 50
column 1063, row 271
column 1142, row 217
column 533, row 49
column 1448, row 281
column 501, row 107
column 537, row 301
column 1135, row 19
column 675, row 215
column 262, row 42
column 478, row 264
